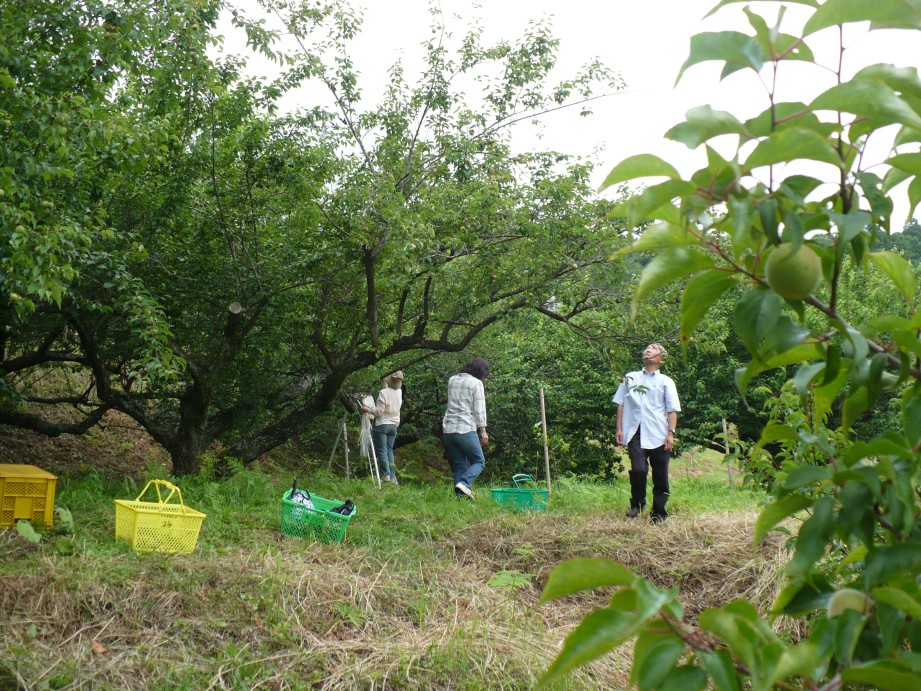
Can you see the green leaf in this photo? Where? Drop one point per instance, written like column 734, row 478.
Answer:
column 659, row 237
column 914, row 195
column 793, row 144
column 744, row 376
column 849, row 225
column 756, row 315
column 723, row 3
column 737, row 50
column 798, row 187
column 800, row 596
column 893, row 14
column 702, row 124
column 64, row 545
column 898, row 598
column 911, row 421
column 897, row 269
column 683, row 678
column 736, row 625
column 767, row 212
column 654, row 654
column 883, row 674
column 649, row 599
column 777, row 432
column 576, row 575
column 785, row 336
column 891, row 322
column 776, row 512
column 854, row 404
column 885, row 562
column 868, row 98
column 807, row 475
column 669, row 266
column 795, row 356
column 25, row 529
column 909, row 163
column 805, row 375
column 639, row 166
column 787, row 115
column 721, row 668
column 857, row 344
column 743, row 215
column 888, row 444
column 903, row 80
column 654, row 202
column 598, row 634
column 895, row 177
column 800, row 661
column 701, row 291
column 813, row 537
column 65, row 519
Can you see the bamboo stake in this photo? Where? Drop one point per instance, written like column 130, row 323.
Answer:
column 728, row 462
column 335, row 446
column 543, row 424
column 345, row 443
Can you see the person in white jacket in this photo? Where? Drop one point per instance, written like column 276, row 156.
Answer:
column 386, row 412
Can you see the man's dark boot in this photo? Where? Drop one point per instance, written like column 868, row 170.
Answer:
column 637, row 492
column 659, row 513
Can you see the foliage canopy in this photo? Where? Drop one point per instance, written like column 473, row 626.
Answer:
column 178, row 249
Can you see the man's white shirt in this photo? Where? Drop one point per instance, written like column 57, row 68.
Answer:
column 647, row 398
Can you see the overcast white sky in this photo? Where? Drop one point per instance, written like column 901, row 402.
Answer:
column 647, row 41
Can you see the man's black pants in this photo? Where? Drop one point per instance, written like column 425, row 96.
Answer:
column 640, row 461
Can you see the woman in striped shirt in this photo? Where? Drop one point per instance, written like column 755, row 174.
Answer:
column 464, row 425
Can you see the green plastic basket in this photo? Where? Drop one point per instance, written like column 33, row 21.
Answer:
column 524, row 496
column 317, row 523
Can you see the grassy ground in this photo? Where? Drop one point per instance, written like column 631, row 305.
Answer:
column 426, row 591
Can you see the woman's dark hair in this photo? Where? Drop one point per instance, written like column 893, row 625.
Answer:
column 477, row 367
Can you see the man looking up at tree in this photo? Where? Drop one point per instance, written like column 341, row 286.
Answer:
column 647, row 415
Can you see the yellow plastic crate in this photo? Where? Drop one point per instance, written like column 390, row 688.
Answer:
column 158, row 526
column 26, row 492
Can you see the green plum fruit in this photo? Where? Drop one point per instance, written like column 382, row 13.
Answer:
column 793, row 274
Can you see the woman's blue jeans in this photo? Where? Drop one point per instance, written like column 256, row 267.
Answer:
column 465, row 456
column 383, row 437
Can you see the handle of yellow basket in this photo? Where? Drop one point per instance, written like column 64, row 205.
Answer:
column 165, row 485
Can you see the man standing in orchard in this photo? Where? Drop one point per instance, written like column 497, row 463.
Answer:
column 647, row 415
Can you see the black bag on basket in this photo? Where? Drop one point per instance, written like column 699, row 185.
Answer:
column 345, row 509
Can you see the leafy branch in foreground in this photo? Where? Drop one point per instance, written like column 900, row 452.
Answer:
column 852, row 579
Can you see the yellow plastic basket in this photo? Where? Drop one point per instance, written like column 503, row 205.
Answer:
column 158, row 526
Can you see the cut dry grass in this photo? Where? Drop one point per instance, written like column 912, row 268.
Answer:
column 425, row 592
column 297, row 615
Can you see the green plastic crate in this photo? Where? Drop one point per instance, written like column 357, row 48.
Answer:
column 524, row 496
column 317, row 523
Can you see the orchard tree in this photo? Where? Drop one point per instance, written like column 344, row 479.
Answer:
column 292, row 253
column 65, row 143
column 853, row 574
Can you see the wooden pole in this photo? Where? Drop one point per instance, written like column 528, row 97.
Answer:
column 726, row 446
column 543, row 424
